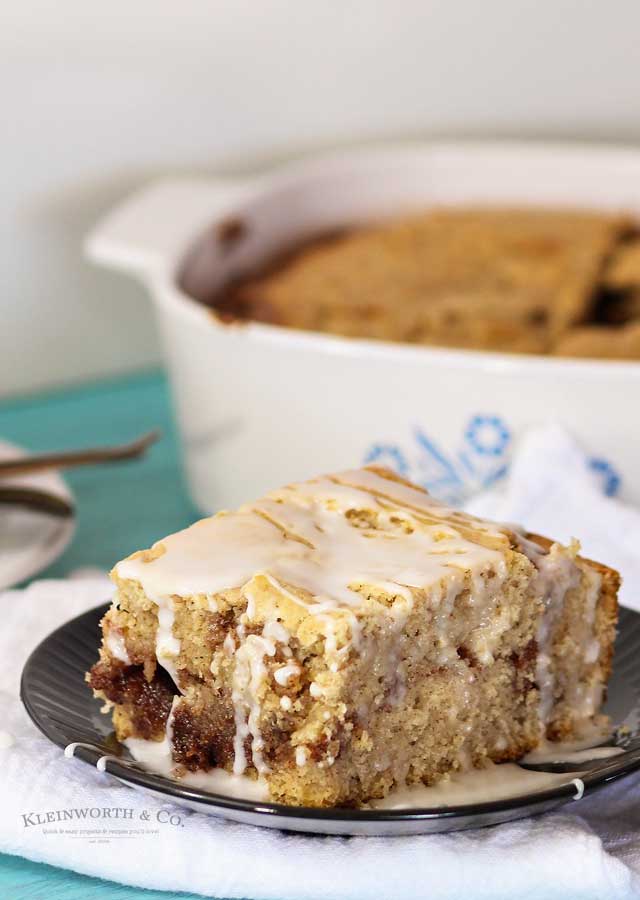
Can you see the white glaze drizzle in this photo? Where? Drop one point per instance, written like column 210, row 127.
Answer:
column 276, row 631
column 229, row 645
column 248, row 679
column 167, row 645
column 493, row 782
column 557, row 573
column 114, row 641
column 301, row 756
column 314, row 547
column 302, row 536
column 309, row 536
column 588, row 736
column 170, row 720
column 576, row 756
column 156, row 756
column 248, row 676
column 586, row 698
column 506, row 780
column 285, row 673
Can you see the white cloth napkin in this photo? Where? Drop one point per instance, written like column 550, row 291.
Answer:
column 589, row 849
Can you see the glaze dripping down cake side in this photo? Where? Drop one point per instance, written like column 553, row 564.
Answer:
column 350, row 634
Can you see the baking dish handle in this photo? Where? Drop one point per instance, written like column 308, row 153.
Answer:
column 151, row 229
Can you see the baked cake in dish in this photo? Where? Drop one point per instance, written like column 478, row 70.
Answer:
column 516, row 280
column 349, row 634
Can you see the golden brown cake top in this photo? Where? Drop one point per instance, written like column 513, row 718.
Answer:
column 519, row 280
column 326, row 540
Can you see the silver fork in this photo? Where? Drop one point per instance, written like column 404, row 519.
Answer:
column 72, row 458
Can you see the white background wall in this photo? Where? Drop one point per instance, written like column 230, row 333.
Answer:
column 96, row 97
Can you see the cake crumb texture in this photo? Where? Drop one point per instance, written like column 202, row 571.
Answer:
column 349, row 634
column 529, row 280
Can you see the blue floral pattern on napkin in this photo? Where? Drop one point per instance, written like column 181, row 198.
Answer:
column 479, row 461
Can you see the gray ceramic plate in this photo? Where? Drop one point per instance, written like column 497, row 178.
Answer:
column 61, row 705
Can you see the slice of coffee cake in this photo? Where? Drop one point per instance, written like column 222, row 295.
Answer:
column 349, row 634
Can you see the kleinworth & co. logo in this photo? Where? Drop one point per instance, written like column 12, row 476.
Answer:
column 101, row 824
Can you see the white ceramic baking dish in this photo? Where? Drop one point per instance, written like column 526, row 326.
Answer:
column 260, row 405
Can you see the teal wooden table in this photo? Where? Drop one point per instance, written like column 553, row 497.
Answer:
column 109, row 527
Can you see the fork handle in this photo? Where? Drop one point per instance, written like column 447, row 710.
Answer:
column 36, row 500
